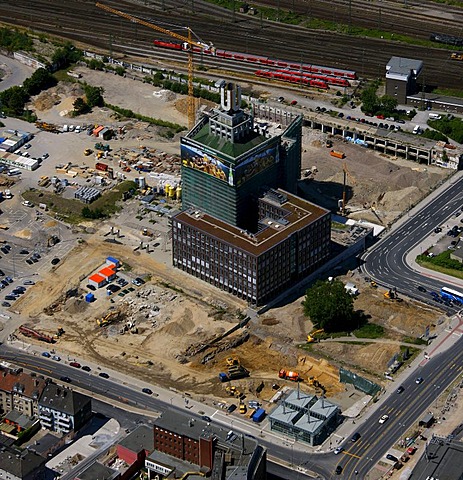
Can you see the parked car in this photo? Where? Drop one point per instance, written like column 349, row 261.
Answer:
column 147, row 391
column 9, row 279
column 75, row 364
column 10, row 297
column 103, row 375
column 91, row 287
column 29, row 282
column 338, row 450
column 6, row 304
column 55, row 261
column 86, row 368
column 392, row 458
column 138, row 281
column 56, row 358
column 2, row 273
column 46, row 354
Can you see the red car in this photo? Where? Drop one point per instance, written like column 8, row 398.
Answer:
column 411, row 450
column 294, row 102
column 381, row 117
column 75, row 364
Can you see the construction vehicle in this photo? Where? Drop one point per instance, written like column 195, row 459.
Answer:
column 289, row 375
column 346, row 174
column 243, row 408
column 234, row 373
column 88, row 151
column 104, row 148
column 328, row 144
column 47, row 127
column 311, row 336
column 234, row 392
column 147, row 233
column 373, row 284
column 102, row 167
column 337, row 154
column 59, row 332
column 456, row 56
column 108, row 319
column 188, row 39
column 231, row 361
column 30, row 332
column 391, row 294
column 43, row 181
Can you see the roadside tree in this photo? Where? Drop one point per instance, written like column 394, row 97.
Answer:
column 329, row 306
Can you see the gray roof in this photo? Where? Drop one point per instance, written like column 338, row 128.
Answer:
column 97, row 471
column 403, row 66
column 299, row 399
column 24, row 421
column 20, row 464
column 323, row 408
column 285, row 414
column 140, row 439
column 310, row 424
column 63, row 399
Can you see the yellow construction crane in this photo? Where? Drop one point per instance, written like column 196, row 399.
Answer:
column 352, row 179
column 191, row 43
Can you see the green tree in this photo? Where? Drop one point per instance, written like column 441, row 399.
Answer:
column 94, row 95
column 388, row 104
column 329, row 306
column 370, row 101
column 14, row 99
column 80, row 107
column 40, row 80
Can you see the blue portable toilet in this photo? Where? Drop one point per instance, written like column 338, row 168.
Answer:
column 89, row 298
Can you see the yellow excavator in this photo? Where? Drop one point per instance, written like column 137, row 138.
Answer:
column 311, row 336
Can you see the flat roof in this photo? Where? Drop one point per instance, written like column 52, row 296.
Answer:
column 96, row 277
column 140, row 439
column 404, row 65
column 225, row 146
column 301, row 214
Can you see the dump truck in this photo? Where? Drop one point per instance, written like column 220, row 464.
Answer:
column 337, row 154
column 289, row 375
column 88, row 151
column 456, row 56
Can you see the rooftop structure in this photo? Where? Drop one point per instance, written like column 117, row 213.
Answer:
column 17, row 464
column 401, row 75
column 305, row 417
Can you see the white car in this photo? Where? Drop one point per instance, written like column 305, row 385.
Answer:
column 26, row 203
column 338, row 450
column 383, row 419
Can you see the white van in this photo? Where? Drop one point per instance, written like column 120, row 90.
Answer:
column 435, row 116
column 417, row 130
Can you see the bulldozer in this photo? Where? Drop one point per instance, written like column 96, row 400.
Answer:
column 392, row 295
column 232, row 361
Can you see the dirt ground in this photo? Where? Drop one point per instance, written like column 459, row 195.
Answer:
column 172, row 325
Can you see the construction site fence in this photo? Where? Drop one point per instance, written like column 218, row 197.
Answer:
column 360, row 383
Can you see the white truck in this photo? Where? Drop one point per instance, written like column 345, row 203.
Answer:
column 351, row 289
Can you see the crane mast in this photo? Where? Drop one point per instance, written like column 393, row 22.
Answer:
column 188, row 40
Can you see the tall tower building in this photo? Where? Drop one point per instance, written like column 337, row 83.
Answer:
column 228, row 159
column 242, row 228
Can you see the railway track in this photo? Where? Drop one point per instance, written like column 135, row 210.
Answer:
column 82, row 21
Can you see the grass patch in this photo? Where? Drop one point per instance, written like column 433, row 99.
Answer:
column 339, row 226
column 369, row 330
column 70, row 210
column 441, row 263
column 414, row 340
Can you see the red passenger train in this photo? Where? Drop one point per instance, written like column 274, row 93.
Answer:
column 330, row 72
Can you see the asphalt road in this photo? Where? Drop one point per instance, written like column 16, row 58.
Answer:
column 404, row 410
column 386, row 262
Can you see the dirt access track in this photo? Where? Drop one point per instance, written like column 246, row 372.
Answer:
column 174, row 314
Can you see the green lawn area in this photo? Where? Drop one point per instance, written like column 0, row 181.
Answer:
column 442, row 263
column 70, row 210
